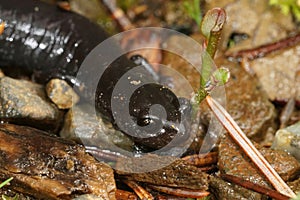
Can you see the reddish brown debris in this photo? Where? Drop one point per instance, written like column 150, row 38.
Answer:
column 255, row 187
column 209, row 169
column 200, row 160
column 64, row 5
column 118, row 14
column 180, row 192
column 168, row 197
column 263, row 50
column 125, row 195
column 140, row 191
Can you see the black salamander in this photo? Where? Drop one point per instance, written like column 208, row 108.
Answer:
column 48, row 42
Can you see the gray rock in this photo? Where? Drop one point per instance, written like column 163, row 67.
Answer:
column 81, row 124
column 24, row 102
column 288, row 139
column 61, row 93
column 279, row 74
column 248, row 104
column 224, row 190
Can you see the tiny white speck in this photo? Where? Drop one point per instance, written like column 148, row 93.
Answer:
column 135, row 82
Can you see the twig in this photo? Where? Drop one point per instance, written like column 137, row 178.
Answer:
column 246, row 145
column 263, row 50
column 103, row 154
column 118, row 14
column 125, row 195
column 209, row 169
column 202, row 160
column 287, row 112
column 255, row 187
column 140, row 192
column 180, row 192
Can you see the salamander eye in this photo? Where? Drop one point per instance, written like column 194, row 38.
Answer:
column 144, row 121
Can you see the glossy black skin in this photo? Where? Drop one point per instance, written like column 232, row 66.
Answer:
column 48, row 42
column 45, row 40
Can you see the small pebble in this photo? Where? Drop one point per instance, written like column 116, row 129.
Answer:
column 288, row 139
column 61, row 93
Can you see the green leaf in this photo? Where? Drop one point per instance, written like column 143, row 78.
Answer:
column 213, row 20
column 220, row 76
column 211, row 28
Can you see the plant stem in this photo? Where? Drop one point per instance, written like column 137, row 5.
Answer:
column 211, row 28
column 5, row 182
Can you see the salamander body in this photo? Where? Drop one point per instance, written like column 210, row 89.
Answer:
column 48, row 42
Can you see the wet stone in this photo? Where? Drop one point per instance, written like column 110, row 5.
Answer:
column 47, row 167
column 223, row 190
column 279, row 74
column 248, row 104
column 81, row 124
column 230, row 154
column 288, row 139
column 61, row 93
column 24, row 102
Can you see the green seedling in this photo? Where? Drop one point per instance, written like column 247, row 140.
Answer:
column 288, row 6
column 211, row 28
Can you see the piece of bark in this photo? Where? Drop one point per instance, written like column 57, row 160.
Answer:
column 178, row 174
column 47, row 167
